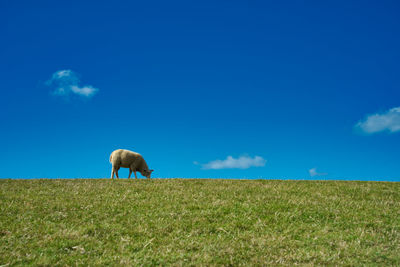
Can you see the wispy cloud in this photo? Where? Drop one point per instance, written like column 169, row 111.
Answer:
column 66, row 82
column 243, row 162
column 386, row 121
column 313, row 172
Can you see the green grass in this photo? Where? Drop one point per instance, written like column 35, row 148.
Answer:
column 198, row 222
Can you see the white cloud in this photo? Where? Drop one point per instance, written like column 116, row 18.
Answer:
column 66, row 82
column 84, row 91
column 386, row 121
column 313, row 172
column 243, row 162
column 64, row 73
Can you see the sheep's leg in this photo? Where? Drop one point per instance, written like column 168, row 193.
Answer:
column 112, row 173
column 130, row 172
column 135, row 174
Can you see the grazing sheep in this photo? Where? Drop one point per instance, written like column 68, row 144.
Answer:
column 128, row 159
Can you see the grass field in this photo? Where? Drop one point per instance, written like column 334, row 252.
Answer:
column 198, row 222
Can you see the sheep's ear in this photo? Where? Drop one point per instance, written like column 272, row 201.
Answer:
column 151, row 170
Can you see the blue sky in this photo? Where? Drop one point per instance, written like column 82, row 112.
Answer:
column 245, row 89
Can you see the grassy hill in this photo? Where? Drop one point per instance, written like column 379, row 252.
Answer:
column 198, row 222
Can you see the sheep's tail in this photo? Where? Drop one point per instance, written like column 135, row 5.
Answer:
column 110, row 157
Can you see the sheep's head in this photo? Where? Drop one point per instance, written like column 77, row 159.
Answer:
column 147, row 173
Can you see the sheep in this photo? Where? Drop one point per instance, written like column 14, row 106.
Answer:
column 128, row 159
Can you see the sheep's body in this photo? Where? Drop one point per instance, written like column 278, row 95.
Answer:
column 128, row 159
